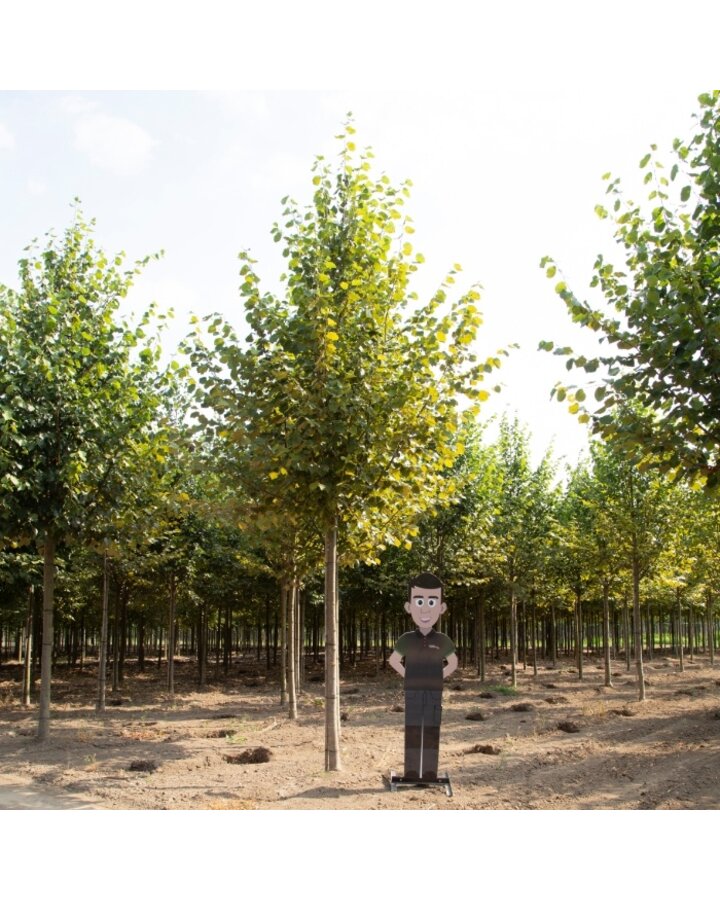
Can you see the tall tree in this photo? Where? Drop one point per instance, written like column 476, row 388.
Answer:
column 76, row 399
column 347, row 397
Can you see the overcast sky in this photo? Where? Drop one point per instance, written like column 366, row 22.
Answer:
column 504, row 171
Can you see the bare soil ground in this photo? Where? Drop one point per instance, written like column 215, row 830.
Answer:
column 156, row 751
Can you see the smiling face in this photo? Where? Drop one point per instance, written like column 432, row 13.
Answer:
column 425, row 607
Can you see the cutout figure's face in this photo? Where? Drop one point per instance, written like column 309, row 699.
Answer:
column 425, row 606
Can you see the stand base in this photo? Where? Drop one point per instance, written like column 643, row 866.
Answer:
column 398, row 781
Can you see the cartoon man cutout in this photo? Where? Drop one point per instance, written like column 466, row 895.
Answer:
column 424, row 651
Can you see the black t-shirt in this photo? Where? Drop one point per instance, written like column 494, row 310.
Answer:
column 425, row 656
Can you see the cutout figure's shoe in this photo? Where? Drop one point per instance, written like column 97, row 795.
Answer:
column 412, row 775
column 429, row 776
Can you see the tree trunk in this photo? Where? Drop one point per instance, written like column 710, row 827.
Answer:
column 513, row 633
column 626, row 633
column 606, row 632
column 27, row 662
column 292, row 647
column 47, row 635
column 141, row 643
column 578, row 636
column 283, row 644
column 638, row 626
column 533, row 637
column 691, row 632
column 332, row 669
column 102, row 650
column 481, row 638
column 679, row 630
column 171, row 639
column 115, row 643
column 711, row 628
column 553, row 635
column 202, row 646
column 300, row 628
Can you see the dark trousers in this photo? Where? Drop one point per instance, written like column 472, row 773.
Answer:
column 423, row 711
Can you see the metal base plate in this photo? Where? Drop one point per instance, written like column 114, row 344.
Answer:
column 398, row 781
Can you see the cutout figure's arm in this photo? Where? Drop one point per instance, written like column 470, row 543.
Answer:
column 452, row 664
column 395, row 661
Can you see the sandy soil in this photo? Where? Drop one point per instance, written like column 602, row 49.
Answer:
column 660, row 754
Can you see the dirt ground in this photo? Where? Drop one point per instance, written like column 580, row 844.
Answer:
column 660, row 754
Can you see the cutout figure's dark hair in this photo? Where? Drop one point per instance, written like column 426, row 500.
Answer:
column 424, row 580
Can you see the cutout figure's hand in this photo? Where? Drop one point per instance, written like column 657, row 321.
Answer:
column 395, row 661
column 452, row 664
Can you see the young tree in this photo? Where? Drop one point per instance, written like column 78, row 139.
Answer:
column 347, row 398
column 76, row 400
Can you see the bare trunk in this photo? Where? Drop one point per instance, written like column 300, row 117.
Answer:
column 202, row 647
column 533, row 638
column 606, row 632
column 481, row 638
column 638, row 628
column 171, row 639
column 102, row 652
column 711, row 628
column 578, row 636
column 27, row 662
column 332, row 668
column 553, row 628
column 283, row 644
column 47, row 635
column 626, row 630
column 679, row 630
column 691, row 632
column 513, row 633
column 300, row 629
column 116, row 644
column 292, row 647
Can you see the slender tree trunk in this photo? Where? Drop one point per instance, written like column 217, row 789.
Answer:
column 300, row 656
column 332, row 669
column 27, row 662
column 115, row 642
column 679, row 630
column 481, row 638
column 123, row 633
column 553, row 635
column 171, row 638
column 141, row 643
column 711, row 628
column 267, row 633
column 638, row 624
column 102, row 655
column 533, row 637
column 202, row 646
column 691, row 632
column 283, row 644
column 626, row 633
column 47, row 635
column 513, row 633
column 292, row 647
column 578, row 636
column 606, row 632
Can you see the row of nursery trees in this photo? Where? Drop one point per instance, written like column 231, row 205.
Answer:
column 210, row 505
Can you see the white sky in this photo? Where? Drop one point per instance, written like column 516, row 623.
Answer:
column 505, row 155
